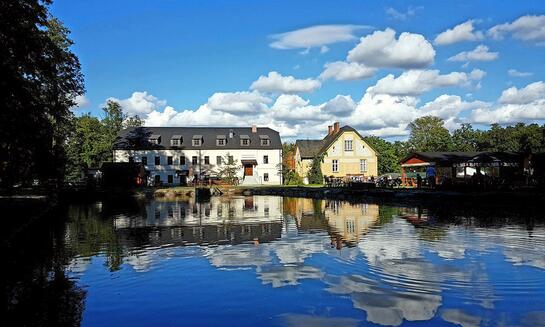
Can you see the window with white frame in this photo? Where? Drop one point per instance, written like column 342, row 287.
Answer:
column 196, row 142
column 265, row 142
column 363, row 165
column 220, row 142
column 347, row 145
column 335, row 166
column 265, row 159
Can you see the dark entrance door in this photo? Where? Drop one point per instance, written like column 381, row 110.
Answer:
column 248, row 170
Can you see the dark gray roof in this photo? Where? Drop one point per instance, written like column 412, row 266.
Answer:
column 137, row 138
column 308, row 148
column 311, row 148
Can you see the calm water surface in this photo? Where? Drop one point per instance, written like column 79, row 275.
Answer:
column 272, row 261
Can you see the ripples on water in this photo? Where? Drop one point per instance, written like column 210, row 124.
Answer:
column 249, row 261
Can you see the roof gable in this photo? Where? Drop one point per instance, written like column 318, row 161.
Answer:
column 331, row 138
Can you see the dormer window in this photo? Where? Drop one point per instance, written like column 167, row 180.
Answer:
column 176, row 140
column 221, row 140
column 155, row 139
column 244, row 140
column 265, row 140
column 197, row 140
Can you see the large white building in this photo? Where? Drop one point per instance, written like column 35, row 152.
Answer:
column 176, row 155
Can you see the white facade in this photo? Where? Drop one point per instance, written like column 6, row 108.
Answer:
column 266, row 171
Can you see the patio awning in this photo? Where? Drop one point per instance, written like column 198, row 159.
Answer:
column 249, row 162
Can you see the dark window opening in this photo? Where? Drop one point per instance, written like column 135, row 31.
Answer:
column 157, row 161
column 144, row 160
column 169, row 160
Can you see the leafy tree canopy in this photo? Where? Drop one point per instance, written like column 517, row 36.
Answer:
column 40, row 79
column 429, row 134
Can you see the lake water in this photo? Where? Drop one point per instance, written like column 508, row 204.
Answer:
column 273, row 261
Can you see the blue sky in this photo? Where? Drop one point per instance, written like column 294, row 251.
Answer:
column 198, row 63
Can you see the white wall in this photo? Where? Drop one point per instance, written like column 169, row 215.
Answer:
column 163, row 170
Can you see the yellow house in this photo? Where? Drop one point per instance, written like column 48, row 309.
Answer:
column 344, row 152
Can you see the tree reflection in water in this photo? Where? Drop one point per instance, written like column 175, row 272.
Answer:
column 393, row 264
column 37, row 291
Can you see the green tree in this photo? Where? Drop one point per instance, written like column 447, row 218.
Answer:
column 228, row 169
column 315, row 172
column 465, row 139
column 91, row 142
column 428, row 134
column 113, row 120
column 388, row 158
column 40, row 79
column 133, row 121
column 289, row 175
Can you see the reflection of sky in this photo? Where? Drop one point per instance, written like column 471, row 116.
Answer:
column 395, row 274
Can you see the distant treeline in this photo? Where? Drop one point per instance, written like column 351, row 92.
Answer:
column 428, row 134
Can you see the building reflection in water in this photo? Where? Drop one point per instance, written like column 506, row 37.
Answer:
column 346, row 223
column 395, row 264
column 221, row 221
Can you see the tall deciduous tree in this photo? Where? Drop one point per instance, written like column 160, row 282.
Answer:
column 465, row 139
column 429, row 134
column 40, row 77
column 91, row 141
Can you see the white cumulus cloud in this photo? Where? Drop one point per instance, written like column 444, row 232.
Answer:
column 511, row 113
column 527, row 94
column 276, row 83
column 526, row 104
column 382, row 49
column 81, row 101
column 417, row 82
column 530, row 28
column 345, row 71
column 480, row 53
column 314, row 36
column 459, row 33
column 139, row 103
column 238, row 102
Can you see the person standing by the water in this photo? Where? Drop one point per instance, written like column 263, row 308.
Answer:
column 430, row 175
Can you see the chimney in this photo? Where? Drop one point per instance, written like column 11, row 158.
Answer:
column 231, row 133
column 254, row 128
column 329, row 129
column 336, row 127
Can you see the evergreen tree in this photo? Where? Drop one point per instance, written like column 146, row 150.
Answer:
column 315, row 173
